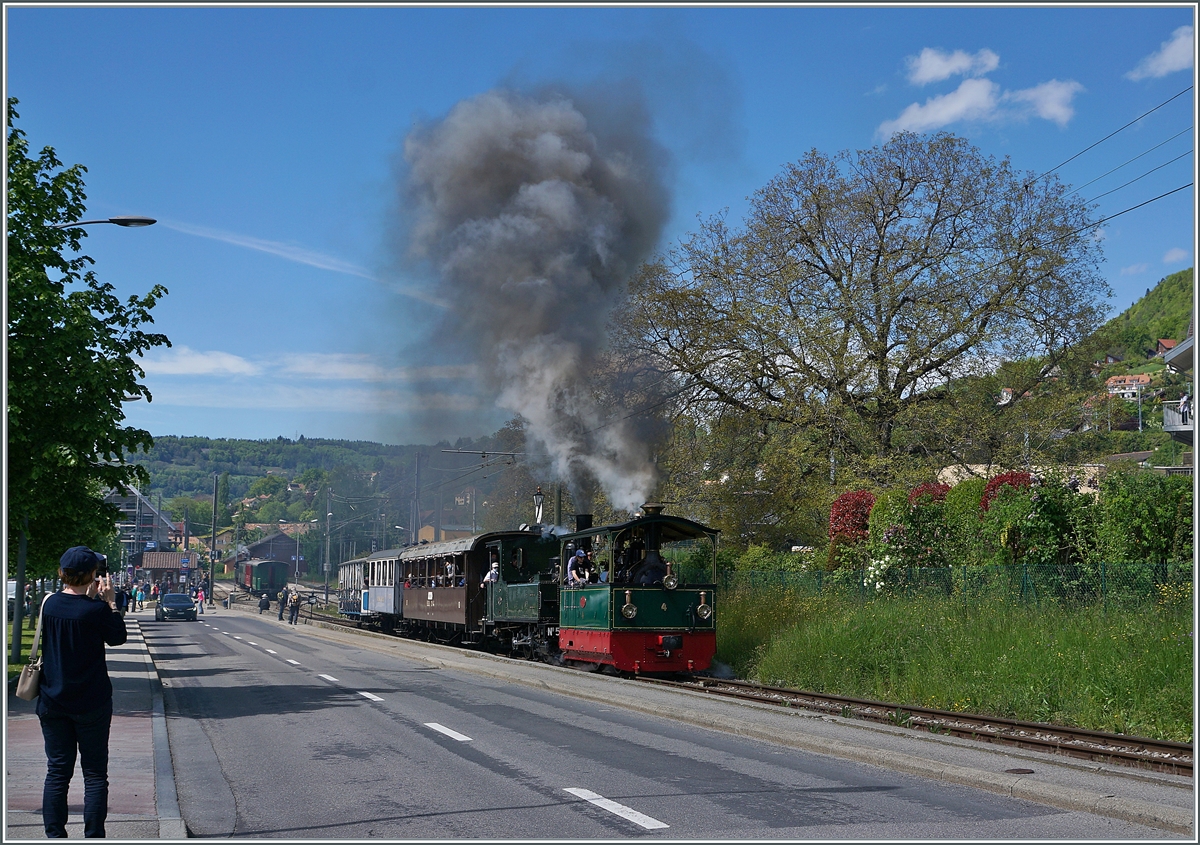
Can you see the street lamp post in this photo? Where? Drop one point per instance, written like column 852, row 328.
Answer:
column 129, row 221
column 538, row 499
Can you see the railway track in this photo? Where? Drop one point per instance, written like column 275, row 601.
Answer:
column 1155, row 755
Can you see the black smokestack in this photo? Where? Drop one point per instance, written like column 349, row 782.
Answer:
column 533, row 211
column 583, row 521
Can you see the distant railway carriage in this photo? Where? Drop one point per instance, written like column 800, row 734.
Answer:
column 263, row 576
column 634, row 614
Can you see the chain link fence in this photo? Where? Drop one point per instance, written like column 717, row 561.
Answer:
column 1105, row 584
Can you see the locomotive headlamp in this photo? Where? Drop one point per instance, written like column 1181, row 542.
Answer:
column 629, row 609
column 704, row 611
column 670, row 580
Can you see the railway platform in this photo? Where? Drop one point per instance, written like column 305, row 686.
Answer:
column 142, row 802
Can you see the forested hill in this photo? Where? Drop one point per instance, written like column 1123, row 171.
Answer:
column 1163, row 312
column 184, row 466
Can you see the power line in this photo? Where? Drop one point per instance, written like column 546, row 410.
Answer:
column 1109, row 135
column 1144, row 175
column 1130, row 161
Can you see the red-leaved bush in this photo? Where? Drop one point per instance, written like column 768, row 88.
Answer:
column 1005, row 479
column 936, row 492
column 848, row 515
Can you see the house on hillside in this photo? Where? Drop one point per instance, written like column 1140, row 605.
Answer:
column 1165, row 345
column 1127, row 386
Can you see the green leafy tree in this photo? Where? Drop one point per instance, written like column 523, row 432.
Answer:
column 862, row 286
column 73, row 348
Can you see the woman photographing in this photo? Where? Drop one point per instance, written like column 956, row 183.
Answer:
column 75, row 697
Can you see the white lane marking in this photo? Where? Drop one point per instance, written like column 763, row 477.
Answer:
column 237, row 638
column 442, row 729
column 370, row 696
column 328, row 678
column 251, row 643
column 619, row 809
column 293, row 662
column 269, row 651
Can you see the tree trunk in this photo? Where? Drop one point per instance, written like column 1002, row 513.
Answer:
column 19, row 598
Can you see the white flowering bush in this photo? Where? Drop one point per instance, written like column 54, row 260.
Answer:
column 882, row 574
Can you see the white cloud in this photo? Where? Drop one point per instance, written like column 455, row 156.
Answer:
column 333, row 366
column 982, row 100
column 1173, row 55
column 363, row 368
column 184, row 361
column 1050, row 100
column 1134, row 269
column 1175, row 255
column 933, row 65
column 975, row 99
column 274, row 396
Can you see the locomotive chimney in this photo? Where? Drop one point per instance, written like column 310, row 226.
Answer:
column 583, row 521
column 652, row 508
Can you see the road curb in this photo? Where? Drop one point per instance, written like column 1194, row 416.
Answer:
column 166, row 798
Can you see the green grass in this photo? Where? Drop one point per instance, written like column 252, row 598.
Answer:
column 1127, row 671
column 26, row 645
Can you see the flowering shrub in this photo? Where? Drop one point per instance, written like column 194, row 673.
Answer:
column 849, row 514
column 1014, row 479
column 881, row 574
column 928, row 493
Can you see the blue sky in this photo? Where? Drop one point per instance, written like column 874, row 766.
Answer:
column 268, row 142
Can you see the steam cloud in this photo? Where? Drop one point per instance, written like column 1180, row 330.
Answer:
column 533, row 211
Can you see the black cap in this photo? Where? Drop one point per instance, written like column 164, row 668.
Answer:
column 79, row 559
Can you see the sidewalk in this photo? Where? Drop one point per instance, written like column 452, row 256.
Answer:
column 142, row 803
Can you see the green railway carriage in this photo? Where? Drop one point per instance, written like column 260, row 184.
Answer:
column 263, row 576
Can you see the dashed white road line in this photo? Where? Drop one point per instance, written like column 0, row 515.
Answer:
column 270, row 651
column 328, row 678
column 293, row 662
column 442, row 729
column 237, row 638
column 370, row 696
column 251, row 643
column 618, row 809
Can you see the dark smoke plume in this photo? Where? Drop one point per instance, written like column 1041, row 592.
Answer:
column 533, row 211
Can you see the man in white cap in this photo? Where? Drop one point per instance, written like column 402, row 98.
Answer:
column 492, row 575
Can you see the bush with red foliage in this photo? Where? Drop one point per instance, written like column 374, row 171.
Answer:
column 935, row 492
column 1015, row 479
column 849, row 513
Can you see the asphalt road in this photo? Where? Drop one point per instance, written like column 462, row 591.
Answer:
column 277, row 733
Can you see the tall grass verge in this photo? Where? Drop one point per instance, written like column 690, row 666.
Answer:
column 1121, row 670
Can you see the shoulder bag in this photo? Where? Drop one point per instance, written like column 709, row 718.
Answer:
column 31, row 673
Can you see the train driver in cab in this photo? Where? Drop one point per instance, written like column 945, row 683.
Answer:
column 577, row 569
column 492, row 575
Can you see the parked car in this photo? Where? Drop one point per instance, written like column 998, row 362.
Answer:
column 12, row 599
column 175, row 606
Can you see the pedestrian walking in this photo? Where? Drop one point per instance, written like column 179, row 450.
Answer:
column 283, row 600
column 141, row 597
column 200, row 598
column 122, row 600
column 75, row 694
column 294, row 608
